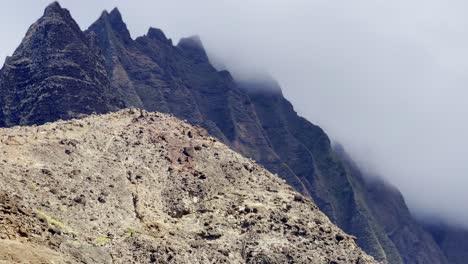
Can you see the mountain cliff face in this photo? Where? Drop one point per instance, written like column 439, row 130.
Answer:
column 104, row 69
column 54, row 74
column 403, row 238
column 308, row 152
column 452, row 240
column 138, row 187
column 180, row 80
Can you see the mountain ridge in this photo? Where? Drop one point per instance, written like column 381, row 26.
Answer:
column 252, row 118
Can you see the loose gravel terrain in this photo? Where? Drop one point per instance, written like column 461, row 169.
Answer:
column 140, row 187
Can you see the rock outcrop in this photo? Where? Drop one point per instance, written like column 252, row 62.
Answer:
column 54, row 74
column 139, row 187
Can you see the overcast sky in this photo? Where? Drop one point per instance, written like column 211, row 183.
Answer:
column 386, row 78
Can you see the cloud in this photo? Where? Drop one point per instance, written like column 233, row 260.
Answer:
column 386, row 78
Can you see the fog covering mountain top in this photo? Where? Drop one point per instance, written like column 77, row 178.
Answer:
column 115, row 71
column 386, row 79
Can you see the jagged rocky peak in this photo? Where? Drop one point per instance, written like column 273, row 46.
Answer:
column 115, row 13
column 53, row 38
column 111, row 23
column 115, row 17
column 156, row 33
column 226, row 75
column 55, row 13
column 54, row 30
column 53, row 9
column 55, row 73
column 192, row 42
column 193, row 46
column 260, row 83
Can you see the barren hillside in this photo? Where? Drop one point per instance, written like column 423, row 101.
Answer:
column 139, row 187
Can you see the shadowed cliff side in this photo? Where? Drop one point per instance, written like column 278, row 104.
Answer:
column 59, row 72
column 180, row 80
column 452, row 240
column 396, row 229
column 54, row 74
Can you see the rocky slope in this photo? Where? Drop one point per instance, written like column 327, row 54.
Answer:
column 139, row 187
column 251, row 117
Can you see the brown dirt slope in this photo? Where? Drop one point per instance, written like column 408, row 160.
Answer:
column 139, row 187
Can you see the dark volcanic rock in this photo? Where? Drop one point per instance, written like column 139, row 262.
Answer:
column 193, row 48
column 54, row 74
column 180, row 80
column 255, row 119
column 112, row 36
column 400, row 236
column 452, row 240
column 308, row 152
column 59, row 72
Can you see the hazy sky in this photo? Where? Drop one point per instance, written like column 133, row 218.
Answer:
column 386, row 78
